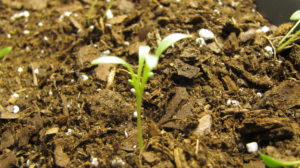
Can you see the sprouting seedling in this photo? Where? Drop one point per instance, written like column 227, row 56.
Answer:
column 91, row 10
column 273, row 163
column 147, row 62
column 283, row 43
column 5, row 51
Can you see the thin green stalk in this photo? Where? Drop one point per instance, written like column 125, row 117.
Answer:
column 288, row 34
column 91, row 10
column 288, row 41
column 139, row 120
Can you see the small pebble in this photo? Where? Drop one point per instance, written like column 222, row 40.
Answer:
column 46, row 38
column 232, row 102
column 269, row 51
column 135, row 114
column 252, row 147
column 217, row 11
column 259, row 94
column 36, row 71
column 40, row 24
column 206, row 34
column 132, row 90
column 264, row 29
column 50, row 93
column 19, row 15
column 67, row 13
column 20, row 69
column 220, row 2
column 91, row 27
column 117, row 162
column 84, row 77
column 109, row 14
column 126, row 134
column 8, row 36
column 15, row 109
column 26, row 32
column 69, row 131
column 94, row 162
column 15, row 95
column 105, row 52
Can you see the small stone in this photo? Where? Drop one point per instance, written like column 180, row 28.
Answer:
column 40, row 24
column 232, row 102
column 132, row 90
column 204, row 126
column 36, row 71
column 19, row 15
column 259, row 94
column 269, row 51
column 15, row 95
column 69, row 131
column 20, row 69
column 264, row 29
column 206, row 34
column 15, row 109
column 252, row 147
column 109, row 14
column 8, row 36
column 26, row 32
column 94, row 162
column 117, row 162
column 91, row 27
column 84, row 77
column 67, row 13
column 46, row 38
column 135, row 114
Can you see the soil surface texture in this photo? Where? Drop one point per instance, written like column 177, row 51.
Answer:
column 208, row 98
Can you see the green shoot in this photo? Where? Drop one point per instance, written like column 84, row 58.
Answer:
column 273, row 163
column 147, row 62
column 5, row 51
column 283, row 43
column 91, row 10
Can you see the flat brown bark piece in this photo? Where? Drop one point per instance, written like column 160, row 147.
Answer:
column 284, row 96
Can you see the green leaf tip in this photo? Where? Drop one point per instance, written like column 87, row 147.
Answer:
column 295, row 15
column 5, row 51
column 108, row 60
column 273, row 163
column 168, row 41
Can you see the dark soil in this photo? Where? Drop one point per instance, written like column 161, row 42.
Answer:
column 200, row 109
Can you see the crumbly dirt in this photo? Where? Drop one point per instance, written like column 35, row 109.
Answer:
column 200, row 109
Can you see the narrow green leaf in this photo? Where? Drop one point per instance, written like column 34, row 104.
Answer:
column 273, row 163
column 168, row 41
column 108, row 60
column 295, row 15
column 151, row 61
column 143, row 51
column 5, row 51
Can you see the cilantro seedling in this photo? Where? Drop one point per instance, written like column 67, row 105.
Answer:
column 146, row 63
column 273, row 163
column 283, row 43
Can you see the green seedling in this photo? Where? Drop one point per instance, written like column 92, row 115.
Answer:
column 273, row 163
column 284, row 42
column 91, row 10
column 5, row 51
column 146, row 63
